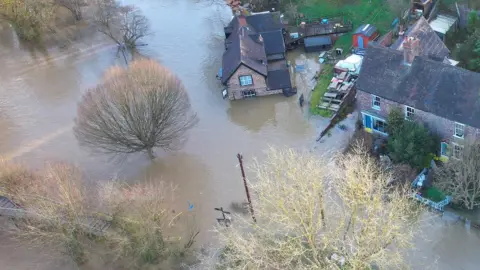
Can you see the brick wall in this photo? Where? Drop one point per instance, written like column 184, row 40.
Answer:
column 438, row 125
column 259, row 84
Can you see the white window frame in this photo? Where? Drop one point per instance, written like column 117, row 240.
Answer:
column 376, row 107
column 384, row 125
column 407, row 117
column 458, row 126
column 454, row 151
column 251, row 93
column 245, row 80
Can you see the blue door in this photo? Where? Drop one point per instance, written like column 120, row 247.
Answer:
column 360, row 41
column 368, row 121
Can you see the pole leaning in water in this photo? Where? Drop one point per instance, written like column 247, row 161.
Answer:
column 240, row 160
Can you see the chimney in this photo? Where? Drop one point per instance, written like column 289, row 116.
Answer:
column 411, row 49
column 242, row 20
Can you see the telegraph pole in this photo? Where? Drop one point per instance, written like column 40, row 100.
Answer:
column 240, row 160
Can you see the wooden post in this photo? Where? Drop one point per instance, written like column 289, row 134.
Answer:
column 240, row 160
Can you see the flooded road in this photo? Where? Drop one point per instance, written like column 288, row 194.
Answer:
column 39, row 91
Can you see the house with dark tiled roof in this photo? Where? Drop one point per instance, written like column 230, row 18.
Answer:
column 254, row 61
column 430, row 43
column 445, row 98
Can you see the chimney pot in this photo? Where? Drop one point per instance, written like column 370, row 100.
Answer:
column 411, row 49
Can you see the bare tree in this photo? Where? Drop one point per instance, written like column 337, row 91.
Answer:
column 30, row 18
column 461, row 178
column 135, row 109
column 75, row 6
column 311, row 218
column 123, row 24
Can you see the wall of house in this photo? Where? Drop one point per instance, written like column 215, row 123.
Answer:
column 438, row 125
column 259, row 84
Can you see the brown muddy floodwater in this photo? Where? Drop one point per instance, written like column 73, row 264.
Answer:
column 39, row 91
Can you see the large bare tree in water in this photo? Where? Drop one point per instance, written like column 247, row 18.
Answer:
column 125, row 25
column 315, row 214
column 135, row 109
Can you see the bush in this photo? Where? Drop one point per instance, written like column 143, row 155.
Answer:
column 411, row 144
column 395, row 120
column 58, row 207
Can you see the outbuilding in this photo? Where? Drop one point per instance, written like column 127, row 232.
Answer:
column 364, row 34
column 319, row 43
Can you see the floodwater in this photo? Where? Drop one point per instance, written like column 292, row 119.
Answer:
column 39, row 91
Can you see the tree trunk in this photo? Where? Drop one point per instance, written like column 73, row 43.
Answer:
column 150, row 153
column 78, row 15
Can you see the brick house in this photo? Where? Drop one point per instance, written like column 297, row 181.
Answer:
column 254, row 61
column 445, row 98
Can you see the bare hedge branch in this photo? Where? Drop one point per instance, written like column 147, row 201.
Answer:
column 316, row 214
column 461, row 178
column 57, row 208
column 135, row 109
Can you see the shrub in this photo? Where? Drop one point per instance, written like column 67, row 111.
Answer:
column 411, row 144
column 395, row 120
column 58, row 210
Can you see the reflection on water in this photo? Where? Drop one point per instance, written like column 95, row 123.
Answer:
column 253, row 114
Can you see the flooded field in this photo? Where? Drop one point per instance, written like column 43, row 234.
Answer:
column 39, row 91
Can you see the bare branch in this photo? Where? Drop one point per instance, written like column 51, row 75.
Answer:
column 123, row 24
column 461, row 178
column 135, row 109
column 313, row 213
column 74, row 6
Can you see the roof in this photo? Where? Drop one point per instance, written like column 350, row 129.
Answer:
column 242, row 49
column 265, row 22
column 273, row 42
column 441, row 89
column 366, row 30
column 430, row 42
column 442, row 23
column 318, row 41
column 279, row 79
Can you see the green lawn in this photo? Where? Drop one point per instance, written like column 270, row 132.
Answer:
column 320, row 89
column 360, row 12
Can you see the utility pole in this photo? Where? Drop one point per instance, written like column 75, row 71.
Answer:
column 240, row 160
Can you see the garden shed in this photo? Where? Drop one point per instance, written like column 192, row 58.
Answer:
column 363, row 35
column 319, row 43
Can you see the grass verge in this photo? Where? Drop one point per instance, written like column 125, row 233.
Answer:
column 320, row 89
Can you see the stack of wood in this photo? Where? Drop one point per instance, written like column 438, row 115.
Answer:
column 339, row 87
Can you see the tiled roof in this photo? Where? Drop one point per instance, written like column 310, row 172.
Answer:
column 428, row 85
column 430, row 42
column 242, row 49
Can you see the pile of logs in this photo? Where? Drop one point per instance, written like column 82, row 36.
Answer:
column 340, row 85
